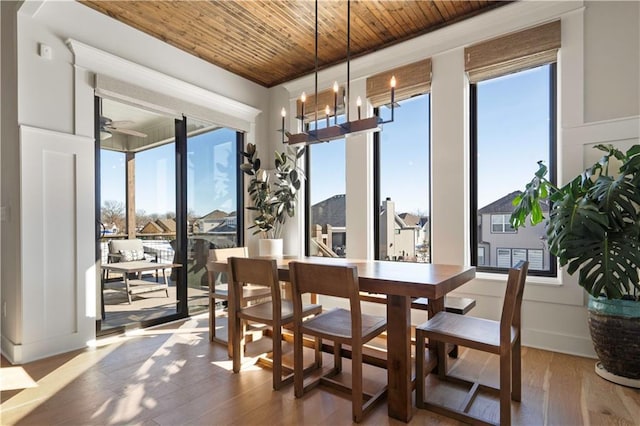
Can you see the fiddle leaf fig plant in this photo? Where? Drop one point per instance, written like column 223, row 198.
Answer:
column 594, row 222
column 274, row 200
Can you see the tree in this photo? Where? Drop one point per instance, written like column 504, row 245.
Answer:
column 113, row 212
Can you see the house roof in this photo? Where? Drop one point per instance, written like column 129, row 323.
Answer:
column 410, row 219
column 216, row 215
column 151, row 228
column 505, row 204
column 330, row 211
column 167, row 225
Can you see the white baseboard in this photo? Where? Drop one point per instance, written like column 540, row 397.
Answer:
column 11, row 351
column 563, row 343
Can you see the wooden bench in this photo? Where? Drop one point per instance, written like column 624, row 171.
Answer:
column 453, row 304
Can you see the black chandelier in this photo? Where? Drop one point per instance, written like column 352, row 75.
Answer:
column 337, row 130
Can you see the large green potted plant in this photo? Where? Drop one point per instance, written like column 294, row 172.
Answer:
column 273, row 196
column 594, row 229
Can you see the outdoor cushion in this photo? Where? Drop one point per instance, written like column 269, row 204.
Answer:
column 131, row 255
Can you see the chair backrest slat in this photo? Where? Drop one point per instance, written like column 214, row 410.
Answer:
column 254, row 271
column 513, row 299
column 328, row 280
column 225, row 253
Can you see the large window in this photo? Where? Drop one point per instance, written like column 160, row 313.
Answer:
column 402, row 158
column 326, row 197
column 513, row 122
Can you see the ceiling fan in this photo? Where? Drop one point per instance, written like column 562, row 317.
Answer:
column 108, row 126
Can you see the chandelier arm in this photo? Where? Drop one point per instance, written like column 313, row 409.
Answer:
column 337, row 131
column 346, row 102
column 316, row 69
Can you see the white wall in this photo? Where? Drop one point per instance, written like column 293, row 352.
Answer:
column 56, row 95
column 611, row 65
column 590, row 90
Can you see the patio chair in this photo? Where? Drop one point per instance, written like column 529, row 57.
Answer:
column 128, row 250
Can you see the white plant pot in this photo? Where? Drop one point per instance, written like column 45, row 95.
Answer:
column 270, row 247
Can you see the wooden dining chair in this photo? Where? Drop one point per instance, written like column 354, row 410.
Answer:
column 275, row 313
column 218, row 289
column 342, row 326
column 497, row 337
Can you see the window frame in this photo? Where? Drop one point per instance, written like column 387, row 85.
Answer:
column 473, row 166
column 505, row 224
column 376, row 182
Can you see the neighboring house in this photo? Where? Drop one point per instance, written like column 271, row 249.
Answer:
column 423, row 236
column 501, row 246
column 111, row 229
column 159, row 226
column 167, row 225
column 151, row 228
column 330, row 216
column 211, row 221
column 398, row 240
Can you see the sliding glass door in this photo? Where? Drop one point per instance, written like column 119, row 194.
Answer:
column 167, row 191
column 136, row 208
column 212, row 202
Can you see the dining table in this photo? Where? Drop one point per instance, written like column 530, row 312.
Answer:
column 400, row 282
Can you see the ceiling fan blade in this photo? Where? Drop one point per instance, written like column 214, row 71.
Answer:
column 128, row 132
column 119, row 123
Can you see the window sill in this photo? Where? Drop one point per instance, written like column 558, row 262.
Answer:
column 551, row 281
column 556, row 290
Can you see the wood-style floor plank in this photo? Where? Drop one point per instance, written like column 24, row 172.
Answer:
column 172, row 375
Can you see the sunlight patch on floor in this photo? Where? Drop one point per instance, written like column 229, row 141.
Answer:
column 12, row 378
column 54, row 382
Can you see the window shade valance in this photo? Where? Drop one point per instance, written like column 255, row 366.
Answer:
column 326, row 97
column 163, row 104
column 412, row 79
column 513, row 52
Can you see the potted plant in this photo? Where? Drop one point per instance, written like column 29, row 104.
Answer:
column 273, row 200
column 594, row 229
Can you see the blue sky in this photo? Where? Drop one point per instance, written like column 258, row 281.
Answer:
column 512, row 133
column 210, row 175
column 513, row 136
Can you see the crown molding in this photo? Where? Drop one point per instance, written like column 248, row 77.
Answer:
column 99, row 61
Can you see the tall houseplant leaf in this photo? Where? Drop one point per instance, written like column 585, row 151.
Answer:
column 594, row 222
column 273, row 201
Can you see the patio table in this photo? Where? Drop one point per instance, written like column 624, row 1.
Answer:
column 138, row 286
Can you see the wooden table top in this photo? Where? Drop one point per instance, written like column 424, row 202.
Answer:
column 394, row 278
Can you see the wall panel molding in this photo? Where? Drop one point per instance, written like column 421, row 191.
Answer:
column 57, row 228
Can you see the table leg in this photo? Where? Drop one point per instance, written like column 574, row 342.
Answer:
column 435, row 306
column 399, row 357
column 125, row 277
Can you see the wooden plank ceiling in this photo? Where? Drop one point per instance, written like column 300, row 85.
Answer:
column 273, row 41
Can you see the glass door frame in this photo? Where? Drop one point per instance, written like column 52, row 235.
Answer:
column 180, row 252
column 181, row 245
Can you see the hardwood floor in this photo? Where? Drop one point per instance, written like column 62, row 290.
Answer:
column 172, row 375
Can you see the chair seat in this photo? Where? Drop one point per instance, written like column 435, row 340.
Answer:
column 336, row 323
column 264, row 311
column 250, row 292
column 465, row 331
